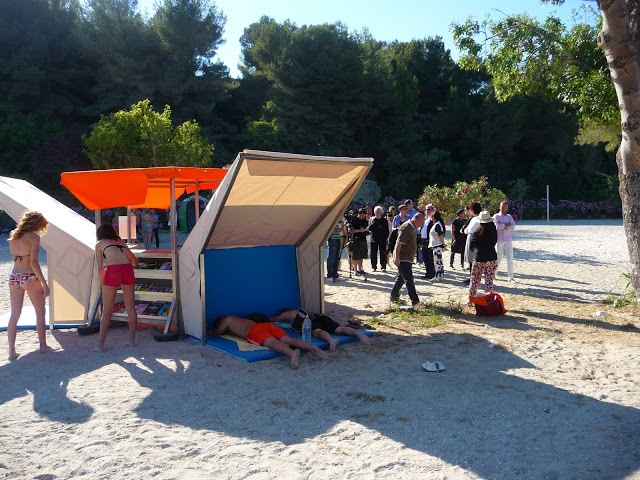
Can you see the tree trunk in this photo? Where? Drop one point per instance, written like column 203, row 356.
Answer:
column 619, row 40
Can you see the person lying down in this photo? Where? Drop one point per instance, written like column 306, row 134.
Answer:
column 266, row 335
column 322, row 326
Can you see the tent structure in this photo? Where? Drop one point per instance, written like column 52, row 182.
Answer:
column 156, row 187
column 258, row 244
column 69, row 243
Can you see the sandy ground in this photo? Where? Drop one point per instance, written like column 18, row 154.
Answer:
column 548, row 391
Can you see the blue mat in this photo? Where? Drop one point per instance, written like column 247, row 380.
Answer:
column 256, row 353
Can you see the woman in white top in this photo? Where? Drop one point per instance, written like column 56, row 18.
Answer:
column 437, row 245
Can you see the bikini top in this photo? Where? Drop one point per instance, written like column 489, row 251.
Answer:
column 19, row 257
column 112, row 245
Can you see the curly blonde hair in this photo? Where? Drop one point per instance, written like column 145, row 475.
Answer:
column 31, row 221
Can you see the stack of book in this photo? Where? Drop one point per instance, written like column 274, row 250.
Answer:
column 150, row 287
column 155, row 309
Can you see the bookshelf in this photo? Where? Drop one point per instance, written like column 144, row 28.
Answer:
column 155, row 288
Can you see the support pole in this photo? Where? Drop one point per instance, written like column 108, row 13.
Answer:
column 547, row 203
column 197, row 203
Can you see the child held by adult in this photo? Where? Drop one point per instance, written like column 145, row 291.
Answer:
column 26, row 276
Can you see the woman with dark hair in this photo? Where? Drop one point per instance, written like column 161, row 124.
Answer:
column 26, row 276
column 436, row 244
column 483, row 243
column 458, row 238
column 114, row 254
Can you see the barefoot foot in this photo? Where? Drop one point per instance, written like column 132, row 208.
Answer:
column 333, row 344
column 97, row 349
column 13, row 356
column 320, row 353
column 48, row 349
column 364, row 339
column 295, row 359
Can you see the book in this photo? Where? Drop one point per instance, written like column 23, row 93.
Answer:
column 164, row 311
column 153, row 288
column 118, row 307
column 145, row 287
column 142, row 308
column 166, row 266
column 153, row 308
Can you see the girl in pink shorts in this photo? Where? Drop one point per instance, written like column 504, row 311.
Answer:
column 112, row 252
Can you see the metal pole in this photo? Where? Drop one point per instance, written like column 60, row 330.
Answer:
column 547, row 203
column 128, row 224
column 197, row 202
column 172, row 213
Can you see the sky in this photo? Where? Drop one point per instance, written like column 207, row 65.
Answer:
column 386, row 20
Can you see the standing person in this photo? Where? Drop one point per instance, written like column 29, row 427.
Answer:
column 155, row 225
column 390, row 226
column 410, row 210
column 458, row 238
column 119, row 271
column 333, row 258
column 147, row 229
column 406, row 248
column 379, row 228
column 483, row 241
column 397, row 221
column 437, row 245
column 505, row 224
column 26, row 276
column 369, row 208
column 427, row 252
column 473, row 210
column 358, row 229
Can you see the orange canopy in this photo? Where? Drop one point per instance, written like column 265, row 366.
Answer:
column 138, row 187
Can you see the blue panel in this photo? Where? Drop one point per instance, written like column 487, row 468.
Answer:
column 239, row 281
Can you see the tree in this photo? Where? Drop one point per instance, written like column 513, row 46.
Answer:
column 142, row 137
column 524, row 56
column 449, row 199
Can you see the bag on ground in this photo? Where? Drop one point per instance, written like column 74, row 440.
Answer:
column 490, row 305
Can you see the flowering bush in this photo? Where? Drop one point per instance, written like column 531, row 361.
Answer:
column 449, row 199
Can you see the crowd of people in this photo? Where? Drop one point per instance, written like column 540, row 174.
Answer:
column 412, row 237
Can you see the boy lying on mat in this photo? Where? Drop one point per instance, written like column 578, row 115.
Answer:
column 267, row 335
column 322, row 327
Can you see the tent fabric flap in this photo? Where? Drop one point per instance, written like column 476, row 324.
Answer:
column 69, row 243
column 267, row 199
column 138, row 187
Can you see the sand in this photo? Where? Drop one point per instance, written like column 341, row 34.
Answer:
column 548, row 391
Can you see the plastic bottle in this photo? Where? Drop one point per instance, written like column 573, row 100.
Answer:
column 306, row 329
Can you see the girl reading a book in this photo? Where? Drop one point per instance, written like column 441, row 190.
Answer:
column 115, row 266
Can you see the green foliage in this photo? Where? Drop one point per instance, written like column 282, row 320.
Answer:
column 525, row 56
column 141, row 137
column 449, row 199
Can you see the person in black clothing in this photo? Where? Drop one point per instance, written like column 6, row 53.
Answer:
column 358, row 228
column 483, row 243
column 459, row 239
column 427, row 253
column 379, row 228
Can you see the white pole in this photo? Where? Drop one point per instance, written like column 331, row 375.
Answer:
column 547, row 203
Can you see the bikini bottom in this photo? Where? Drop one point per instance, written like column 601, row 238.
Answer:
column 20, row 279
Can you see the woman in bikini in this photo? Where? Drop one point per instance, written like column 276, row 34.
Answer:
column 26, row 276
column 113, row 253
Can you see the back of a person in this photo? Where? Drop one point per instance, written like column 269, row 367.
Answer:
column 484, row 241
column 407, row 236
column 21, row 252
column 112, row 252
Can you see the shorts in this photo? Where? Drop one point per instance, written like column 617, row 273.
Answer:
column 262, row 331
column 321, row 322
column 121, row 274
column 360, row 250
column 20, row 279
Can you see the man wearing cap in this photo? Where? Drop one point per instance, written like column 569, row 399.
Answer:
column 505, row 225
column 358, row 228
column 405, row 252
